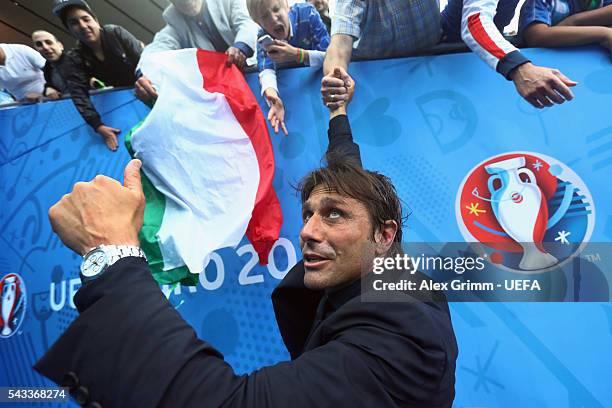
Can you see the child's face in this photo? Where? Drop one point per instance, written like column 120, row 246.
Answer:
column 275, row 18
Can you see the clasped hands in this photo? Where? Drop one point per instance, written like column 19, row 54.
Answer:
column 337, row 89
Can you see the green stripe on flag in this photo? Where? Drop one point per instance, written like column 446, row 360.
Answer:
column 153, row 216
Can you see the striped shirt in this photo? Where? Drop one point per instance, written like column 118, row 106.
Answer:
column 480, row 31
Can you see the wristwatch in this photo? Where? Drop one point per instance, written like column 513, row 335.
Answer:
column 97, row 261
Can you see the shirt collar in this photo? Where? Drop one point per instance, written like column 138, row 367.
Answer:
column 290, row 28
column 292, row 21
column 338, row 297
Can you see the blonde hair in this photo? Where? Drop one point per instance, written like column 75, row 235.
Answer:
column 254, row 7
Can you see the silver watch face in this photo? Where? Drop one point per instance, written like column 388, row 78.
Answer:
column 94, row 263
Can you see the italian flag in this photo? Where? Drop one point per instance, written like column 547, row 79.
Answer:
column 207, row 167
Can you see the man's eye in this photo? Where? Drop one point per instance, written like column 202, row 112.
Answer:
column 306, row 217
column 334, row 214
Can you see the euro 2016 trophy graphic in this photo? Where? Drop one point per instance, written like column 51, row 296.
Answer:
column 530, row 209
column 516, row 199
column 13, row 304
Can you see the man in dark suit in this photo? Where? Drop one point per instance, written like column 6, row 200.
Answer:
column 130, row 348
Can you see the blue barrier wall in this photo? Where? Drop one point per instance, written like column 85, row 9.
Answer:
column 426, row 122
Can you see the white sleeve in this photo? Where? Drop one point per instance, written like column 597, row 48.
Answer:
column 267, row 79
column 33, row 56
column 316, row 58
column 479, row 32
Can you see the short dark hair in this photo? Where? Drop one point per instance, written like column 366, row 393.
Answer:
column 44, row 31
column 374, row 190
column 63, row 13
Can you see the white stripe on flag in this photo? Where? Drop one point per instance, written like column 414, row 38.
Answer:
column 196, row 153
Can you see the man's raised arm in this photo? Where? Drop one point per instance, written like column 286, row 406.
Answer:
column 340, row 136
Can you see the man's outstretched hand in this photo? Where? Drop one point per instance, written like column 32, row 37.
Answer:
column 542, row 86
column 109, row 135
column 101, row 211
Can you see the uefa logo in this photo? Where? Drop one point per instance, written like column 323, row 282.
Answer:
column 13, row 305
column 531, row 211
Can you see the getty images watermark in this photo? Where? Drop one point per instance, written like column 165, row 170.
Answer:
column 476, row 272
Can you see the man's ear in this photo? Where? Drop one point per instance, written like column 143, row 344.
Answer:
column 385, row 236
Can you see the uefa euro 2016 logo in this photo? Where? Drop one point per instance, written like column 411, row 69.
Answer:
column 531, row 211
column 13, row 304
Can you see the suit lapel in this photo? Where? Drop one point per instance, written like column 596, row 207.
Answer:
column 295, row 308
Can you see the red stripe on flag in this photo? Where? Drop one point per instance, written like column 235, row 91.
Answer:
column 267, row 217
column 482, row 37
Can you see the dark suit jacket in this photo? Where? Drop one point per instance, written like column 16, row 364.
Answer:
column 130, row 348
